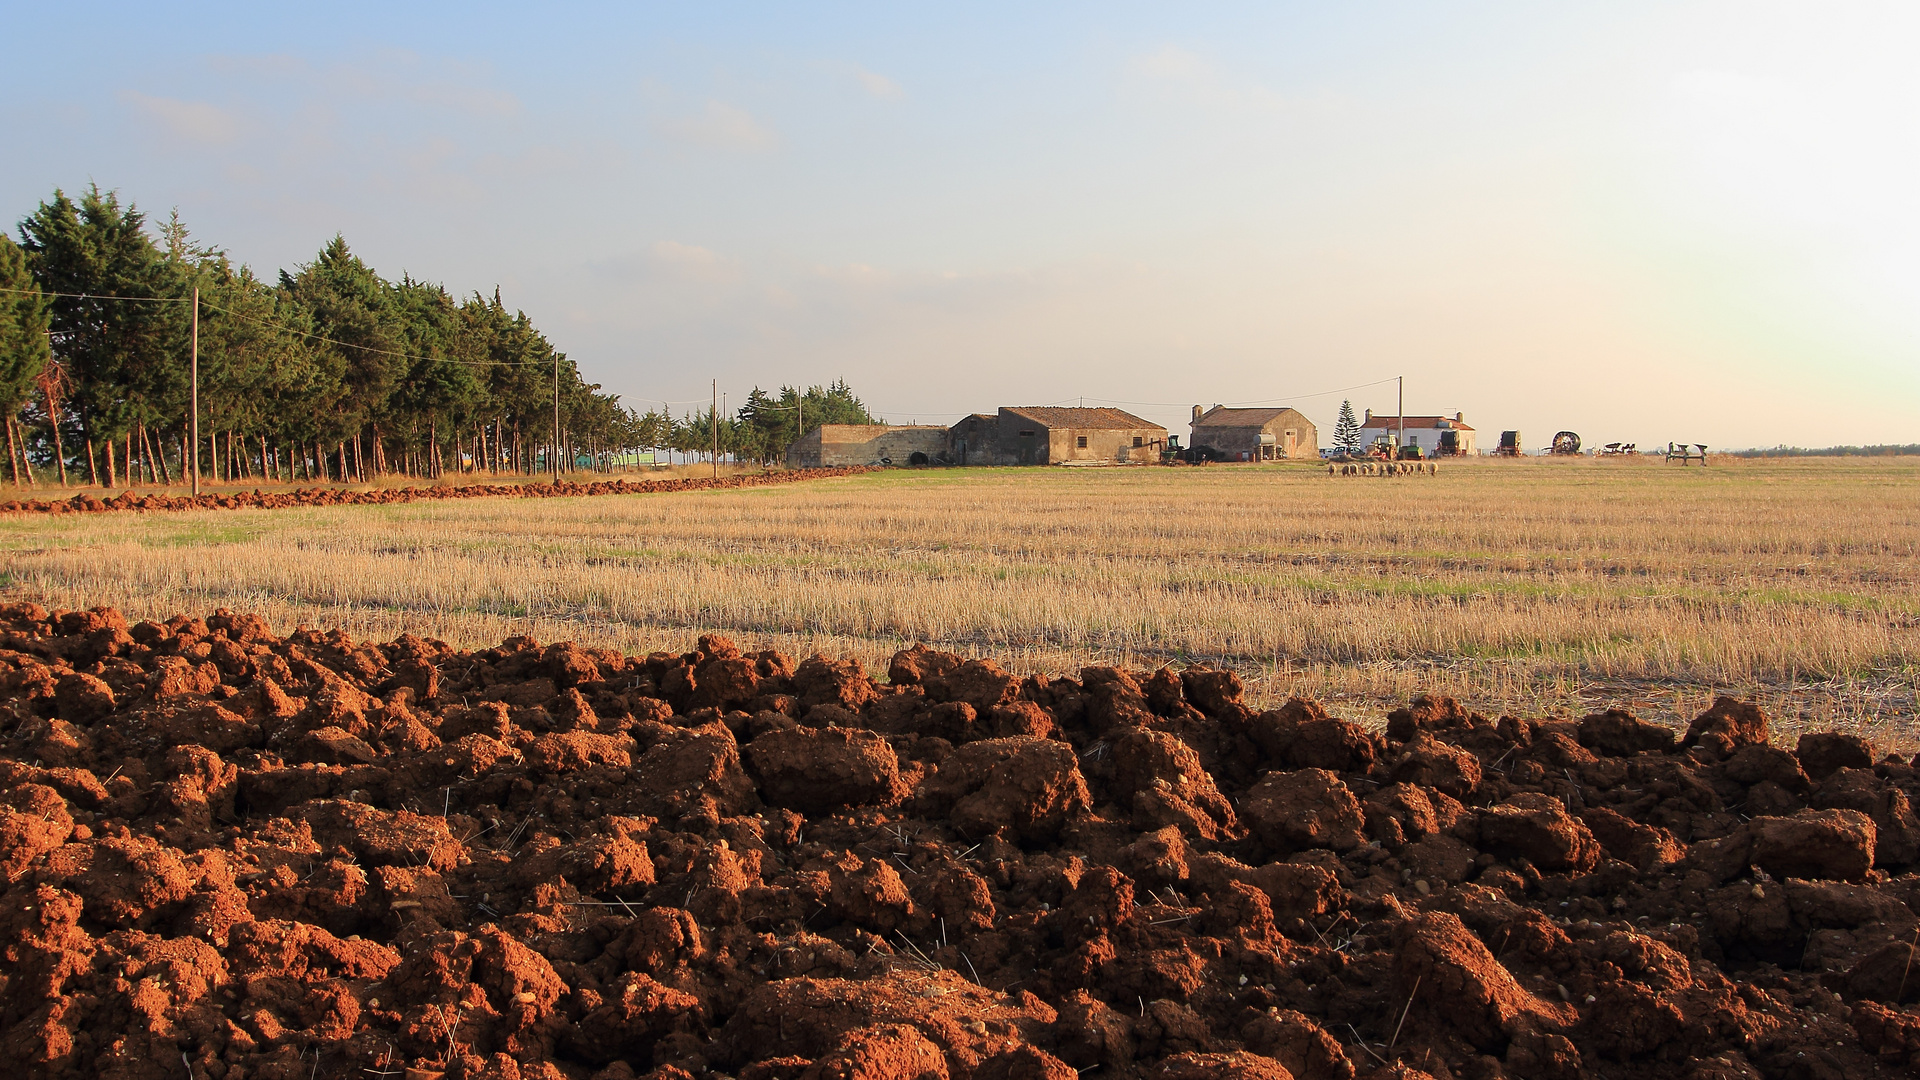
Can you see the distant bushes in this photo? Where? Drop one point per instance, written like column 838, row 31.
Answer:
column 1878, row 450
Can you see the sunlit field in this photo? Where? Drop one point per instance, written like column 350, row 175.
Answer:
column 1531, row 585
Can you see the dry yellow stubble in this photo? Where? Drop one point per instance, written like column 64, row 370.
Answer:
column 1515, row 585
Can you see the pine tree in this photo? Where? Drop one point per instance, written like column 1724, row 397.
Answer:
column 23, row 328
column 1346, row 434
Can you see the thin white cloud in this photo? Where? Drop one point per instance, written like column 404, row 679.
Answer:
column 692, row 262
column 1189, row 75
column 259, row 65
column 475, row 100
column 718, row 126
column 876, row 84
column 389, row 75
column 195, row 121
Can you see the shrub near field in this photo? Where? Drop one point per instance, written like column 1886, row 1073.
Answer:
column 1516, row 585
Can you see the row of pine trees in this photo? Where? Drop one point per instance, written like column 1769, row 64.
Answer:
column 330, row 373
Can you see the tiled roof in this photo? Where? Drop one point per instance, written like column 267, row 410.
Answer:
column 1221, row 416
column 1390, row 421
column 1093, row 419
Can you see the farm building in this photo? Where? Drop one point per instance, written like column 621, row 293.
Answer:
column 1434, row 435
column 1254, row 434
column 971, row 441
column 868, row 444
column 1043, row 435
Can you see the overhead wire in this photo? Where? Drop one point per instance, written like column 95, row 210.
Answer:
column 208, row 305
column 688, row 401
column 100, row 296
column 1258, row 401
column 370, row 348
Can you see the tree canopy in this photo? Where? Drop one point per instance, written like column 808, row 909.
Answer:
column 326, row 371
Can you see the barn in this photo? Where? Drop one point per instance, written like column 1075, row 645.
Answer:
column 1254, row 434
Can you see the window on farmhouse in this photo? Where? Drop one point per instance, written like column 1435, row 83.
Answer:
column 1082, row 442
column 1138, row 441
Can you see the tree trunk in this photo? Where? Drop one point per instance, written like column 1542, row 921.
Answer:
column 53, row 421
column 93, row 470
column 26, row 463
column 13, row 463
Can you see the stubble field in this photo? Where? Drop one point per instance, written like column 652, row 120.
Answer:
column 1525, row 586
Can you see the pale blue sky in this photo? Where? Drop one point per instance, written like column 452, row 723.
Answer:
column 1640, row 221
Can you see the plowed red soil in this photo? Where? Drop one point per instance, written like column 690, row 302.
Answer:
column 86, row 503
column 237, row 855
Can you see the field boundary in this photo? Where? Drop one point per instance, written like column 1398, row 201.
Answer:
column 84, row 503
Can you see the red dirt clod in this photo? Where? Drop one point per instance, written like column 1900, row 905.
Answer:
column 560, row 863
column 1836, row 844
column 1305, row 809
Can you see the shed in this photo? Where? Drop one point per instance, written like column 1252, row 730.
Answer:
column 972, row 440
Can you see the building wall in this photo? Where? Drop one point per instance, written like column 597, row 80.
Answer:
column 856, row 444
column 1427, row 439
column 1105, row 445
column 974, row 441
column 1054, row 446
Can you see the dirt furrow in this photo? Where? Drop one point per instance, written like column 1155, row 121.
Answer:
column 247, row 855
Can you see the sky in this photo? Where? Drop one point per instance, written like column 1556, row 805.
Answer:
column 1638, row 221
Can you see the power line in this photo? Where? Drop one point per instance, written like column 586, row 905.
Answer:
column 99, row 296
column 1260, row 401
column 289, row 329
column 371, row 349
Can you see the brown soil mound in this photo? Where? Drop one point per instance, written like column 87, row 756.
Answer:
column 85, row 503
column 241, row 856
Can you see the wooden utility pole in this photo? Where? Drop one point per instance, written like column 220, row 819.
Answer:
column 713, row 415
column 556, row 418
column 195, row 363
column 1400, row 421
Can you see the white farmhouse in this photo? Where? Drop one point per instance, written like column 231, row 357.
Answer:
column 1434, row 435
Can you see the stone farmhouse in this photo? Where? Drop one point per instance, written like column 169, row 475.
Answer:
column 1254, row 434
column 1036, row 435
column 1434, row 435
column 1043, row 435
